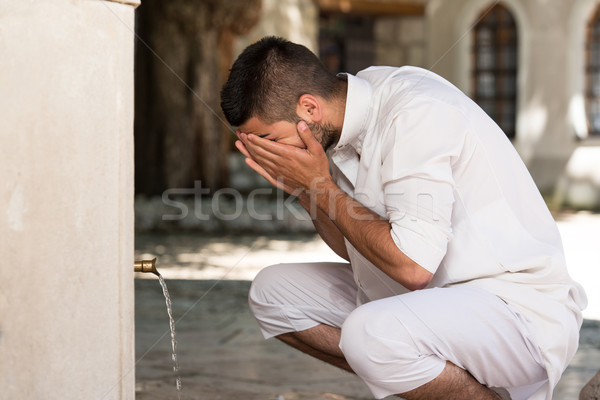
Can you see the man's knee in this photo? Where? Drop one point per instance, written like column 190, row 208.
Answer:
column 272, row 301
column 263, row 290
column 382, row 352
column 371, row 342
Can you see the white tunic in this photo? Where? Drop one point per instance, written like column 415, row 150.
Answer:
column 461, row 203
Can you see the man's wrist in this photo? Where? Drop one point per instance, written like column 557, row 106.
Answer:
column 323, row 194
column 303, row 199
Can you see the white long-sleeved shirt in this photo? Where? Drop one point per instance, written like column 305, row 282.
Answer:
column 460, row 201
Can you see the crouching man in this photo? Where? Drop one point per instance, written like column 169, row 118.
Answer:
column 456, row 285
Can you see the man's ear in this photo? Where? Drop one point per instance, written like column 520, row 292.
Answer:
column 309, row 108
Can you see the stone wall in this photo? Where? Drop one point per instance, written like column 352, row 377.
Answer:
column 400, row 41
column 66, row 199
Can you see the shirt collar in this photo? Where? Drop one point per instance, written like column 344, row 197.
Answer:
column 358, row 102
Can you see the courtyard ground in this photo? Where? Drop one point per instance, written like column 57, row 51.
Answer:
column 221, row 352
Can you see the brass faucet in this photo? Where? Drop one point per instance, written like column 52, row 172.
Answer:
column 146, row 266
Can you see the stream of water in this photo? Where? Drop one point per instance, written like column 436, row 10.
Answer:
column 173, row 341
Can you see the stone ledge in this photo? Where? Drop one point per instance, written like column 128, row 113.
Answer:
column 133, row 3
column 260, row 214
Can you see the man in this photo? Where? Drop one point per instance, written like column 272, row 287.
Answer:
column 456, row 286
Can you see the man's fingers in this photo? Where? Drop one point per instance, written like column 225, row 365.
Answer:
column 256, row 167
column 265, row 146
column 262, row 172
column 312, row 144
column 242, row 148
column 253, row 149
column 257, row 153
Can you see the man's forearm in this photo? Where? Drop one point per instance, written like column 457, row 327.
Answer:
column 325, row 227
column 369, row 234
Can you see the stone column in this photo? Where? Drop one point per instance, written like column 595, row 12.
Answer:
column 66, row 199
column 295, row 20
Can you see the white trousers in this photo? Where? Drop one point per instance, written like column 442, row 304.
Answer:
column 399, row 343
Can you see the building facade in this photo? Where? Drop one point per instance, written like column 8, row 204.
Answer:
column 533, row 65
column 555, row 108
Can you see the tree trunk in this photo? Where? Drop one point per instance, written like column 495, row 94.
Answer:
column 181, row 136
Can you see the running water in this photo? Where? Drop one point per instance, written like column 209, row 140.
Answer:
column 173, row 341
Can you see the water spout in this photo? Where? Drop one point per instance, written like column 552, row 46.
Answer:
column 150, row 266
column 146, row 266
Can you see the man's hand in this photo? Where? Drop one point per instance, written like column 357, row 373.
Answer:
column 289, row 168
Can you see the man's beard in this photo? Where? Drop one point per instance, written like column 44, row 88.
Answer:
column 326, row 134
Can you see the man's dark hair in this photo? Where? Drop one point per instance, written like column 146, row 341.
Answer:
column 269, row 77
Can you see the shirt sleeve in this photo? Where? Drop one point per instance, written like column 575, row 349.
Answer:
column 417, row 156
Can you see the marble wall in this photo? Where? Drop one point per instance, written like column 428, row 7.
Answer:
column 66, row 199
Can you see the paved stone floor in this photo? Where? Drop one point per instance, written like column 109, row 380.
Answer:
column 221, row 352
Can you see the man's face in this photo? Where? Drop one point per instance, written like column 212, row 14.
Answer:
column 281, row 131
